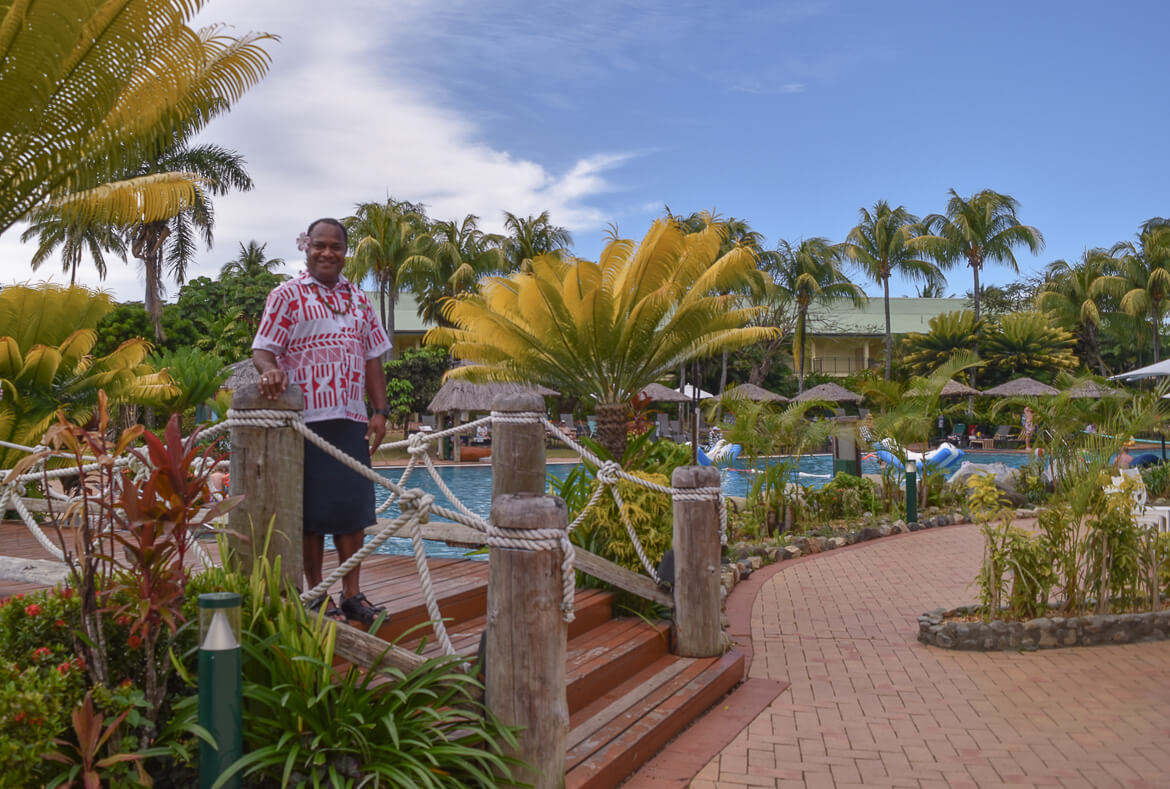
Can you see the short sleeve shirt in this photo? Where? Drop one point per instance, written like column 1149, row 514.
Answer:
column 322, row 337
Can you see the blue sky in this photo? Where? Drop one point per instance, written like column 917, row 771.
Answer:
column 790, row 115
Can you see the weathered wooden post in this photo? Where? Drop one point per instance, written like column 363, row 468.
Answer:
column 267, row 466
column 697, row 628
column 526, row 634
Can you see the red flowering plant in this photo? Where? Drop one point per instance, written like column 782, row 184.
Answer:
column 36, row 697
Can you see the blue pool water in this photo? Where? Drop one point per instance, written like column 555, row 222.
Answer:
column 473, row 485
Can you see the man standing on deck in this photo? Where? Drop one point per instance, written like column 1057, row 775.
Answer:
column 320, row 332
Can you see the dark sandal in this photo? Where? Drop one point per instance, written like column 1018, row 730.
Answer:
column 331, row 611
column 359, row 608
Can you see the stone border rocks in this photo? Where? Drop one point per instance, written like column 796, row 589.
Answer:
column 1041, row 633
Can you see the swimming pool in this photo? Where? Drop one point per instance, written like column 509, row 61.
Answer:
column 473, row 485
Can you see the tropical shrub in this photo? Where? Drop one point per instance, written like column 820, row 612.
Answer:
column 844, row 496
column 36, row 697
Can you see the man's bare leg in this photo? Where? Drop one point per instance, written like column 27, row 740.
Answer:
column 347, row 546
column 313, row 557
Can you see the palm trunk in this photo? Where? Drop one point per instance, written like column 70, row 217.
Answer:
column 1157, row 332
column 975, row 299
column 889, row 334
column 611, row 428
column 1093, row 349
column 798, row 352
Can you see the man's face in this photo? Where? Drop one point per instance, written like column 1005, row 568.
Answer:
column 326, row 255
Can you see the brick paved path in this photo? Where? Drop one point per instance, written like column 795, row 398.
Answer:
column 869, row 705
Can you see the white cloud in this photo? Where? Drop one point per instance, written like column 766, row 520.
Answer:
column 338, row 121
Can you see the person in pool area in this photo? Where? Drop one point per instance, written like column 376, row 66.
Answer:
column 1028, row 425
column 319, row 332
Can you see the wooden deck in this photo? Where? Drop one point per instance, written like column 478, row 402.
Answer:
column 627, row 694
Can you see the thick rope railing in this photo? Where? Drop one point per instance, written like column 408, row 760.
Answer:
column 417, row 506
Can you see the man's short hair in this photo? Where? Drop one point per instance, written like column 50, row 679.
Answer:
column 328, row 220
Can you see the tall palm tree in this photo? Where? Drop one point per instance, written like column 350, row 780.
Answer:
column 605, row 330
column 883, row 243
column 386, row 238
column 75, row 239
column 1145, row 277
column 809, row 273
column 459, row 255
column 981, row 228
column 1072, row 294
column 530, row 236
column 91, row 89
column 250, row 260
column 171, row 243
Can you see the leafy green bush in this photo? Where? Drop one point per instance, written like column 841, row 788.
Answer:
column 36, row 697
column 844, row 496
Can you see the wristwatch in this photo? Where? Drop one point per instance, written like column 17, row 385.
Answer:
column 383, row 411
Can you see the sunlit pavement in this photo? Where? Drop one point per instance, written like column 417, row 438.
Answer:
column 868, row 705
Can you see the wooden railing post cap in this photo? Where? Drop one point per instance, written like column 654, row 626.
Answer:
column 248, row 398
column 518, row 401
column 695, row 477
column 529, row 511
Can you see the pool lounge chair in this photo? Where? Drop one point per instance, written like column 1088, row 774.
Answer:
column 1130, row 481
column 1003, row 439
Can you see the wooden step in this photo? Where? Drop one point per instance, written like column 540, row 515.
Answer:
column 620, row 731
column 607, row 655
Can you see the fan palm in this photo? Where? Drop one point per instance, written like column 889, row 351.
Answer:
column 47, row 335
column 386, row 239
column 1144, row 278
column 809, row 273
column 1071, row 294
column 92, row 87
column 882, row 244
column 459, row 255
column 951, row 333
column 982, row 228
column 605, row 330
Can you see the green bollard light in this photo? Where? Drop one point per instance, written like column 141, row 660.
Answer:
column 220, row 686
column 911, row 493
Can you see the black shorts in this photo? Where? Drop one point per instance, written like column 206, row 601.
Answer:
column 337, row 500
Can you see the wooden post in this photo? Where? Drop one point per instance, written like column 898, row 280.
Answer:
column 697, row 627
column 267, row 466
column 526, row 638
column 518, row 458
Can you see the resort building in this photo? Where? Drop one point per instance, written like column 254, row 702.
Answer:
column 843, row 339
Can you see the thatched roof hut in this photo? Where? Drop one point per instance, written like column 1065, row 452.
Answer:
column 832, row 392
column 1091, row 388
column 953, row 388
column 756, row 393
column 1021, row 387
column 664, row 394
column 457, row 395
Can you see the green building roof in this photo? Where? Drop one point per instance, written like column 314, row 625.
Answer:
column 907, row 314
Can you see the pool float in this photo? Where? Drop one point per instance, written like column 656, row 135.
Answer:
column 720, row 453
column 944, row 457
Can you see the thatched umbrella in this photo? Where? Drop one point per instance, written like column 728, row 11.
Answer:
column 457, row 395
column 953, row 388
column 1091, row 388
column 1021, row 387
column 664, row 394
column 757, row 393
column 831, row 392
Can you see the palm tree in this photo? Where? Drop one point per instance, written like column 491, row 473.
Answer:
column 605, row 330
column 171, row 242
column 883, row 243
column 1070, row 294
column 982, row 228
column 809, row 272
column 250, row 261
column 459, row 255
column 1026, row 343
column 75, row 239
column 75, row 114
column 386, row 239
column 1145, row 276
column 531, row 236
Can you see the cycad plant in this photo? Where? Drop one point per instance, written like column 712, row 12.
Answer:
column 1027, row 343
column 604, row 331
column 950, row 333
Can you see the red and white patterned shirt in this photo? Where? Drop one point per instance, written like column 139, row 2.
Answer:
column 322, row 338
